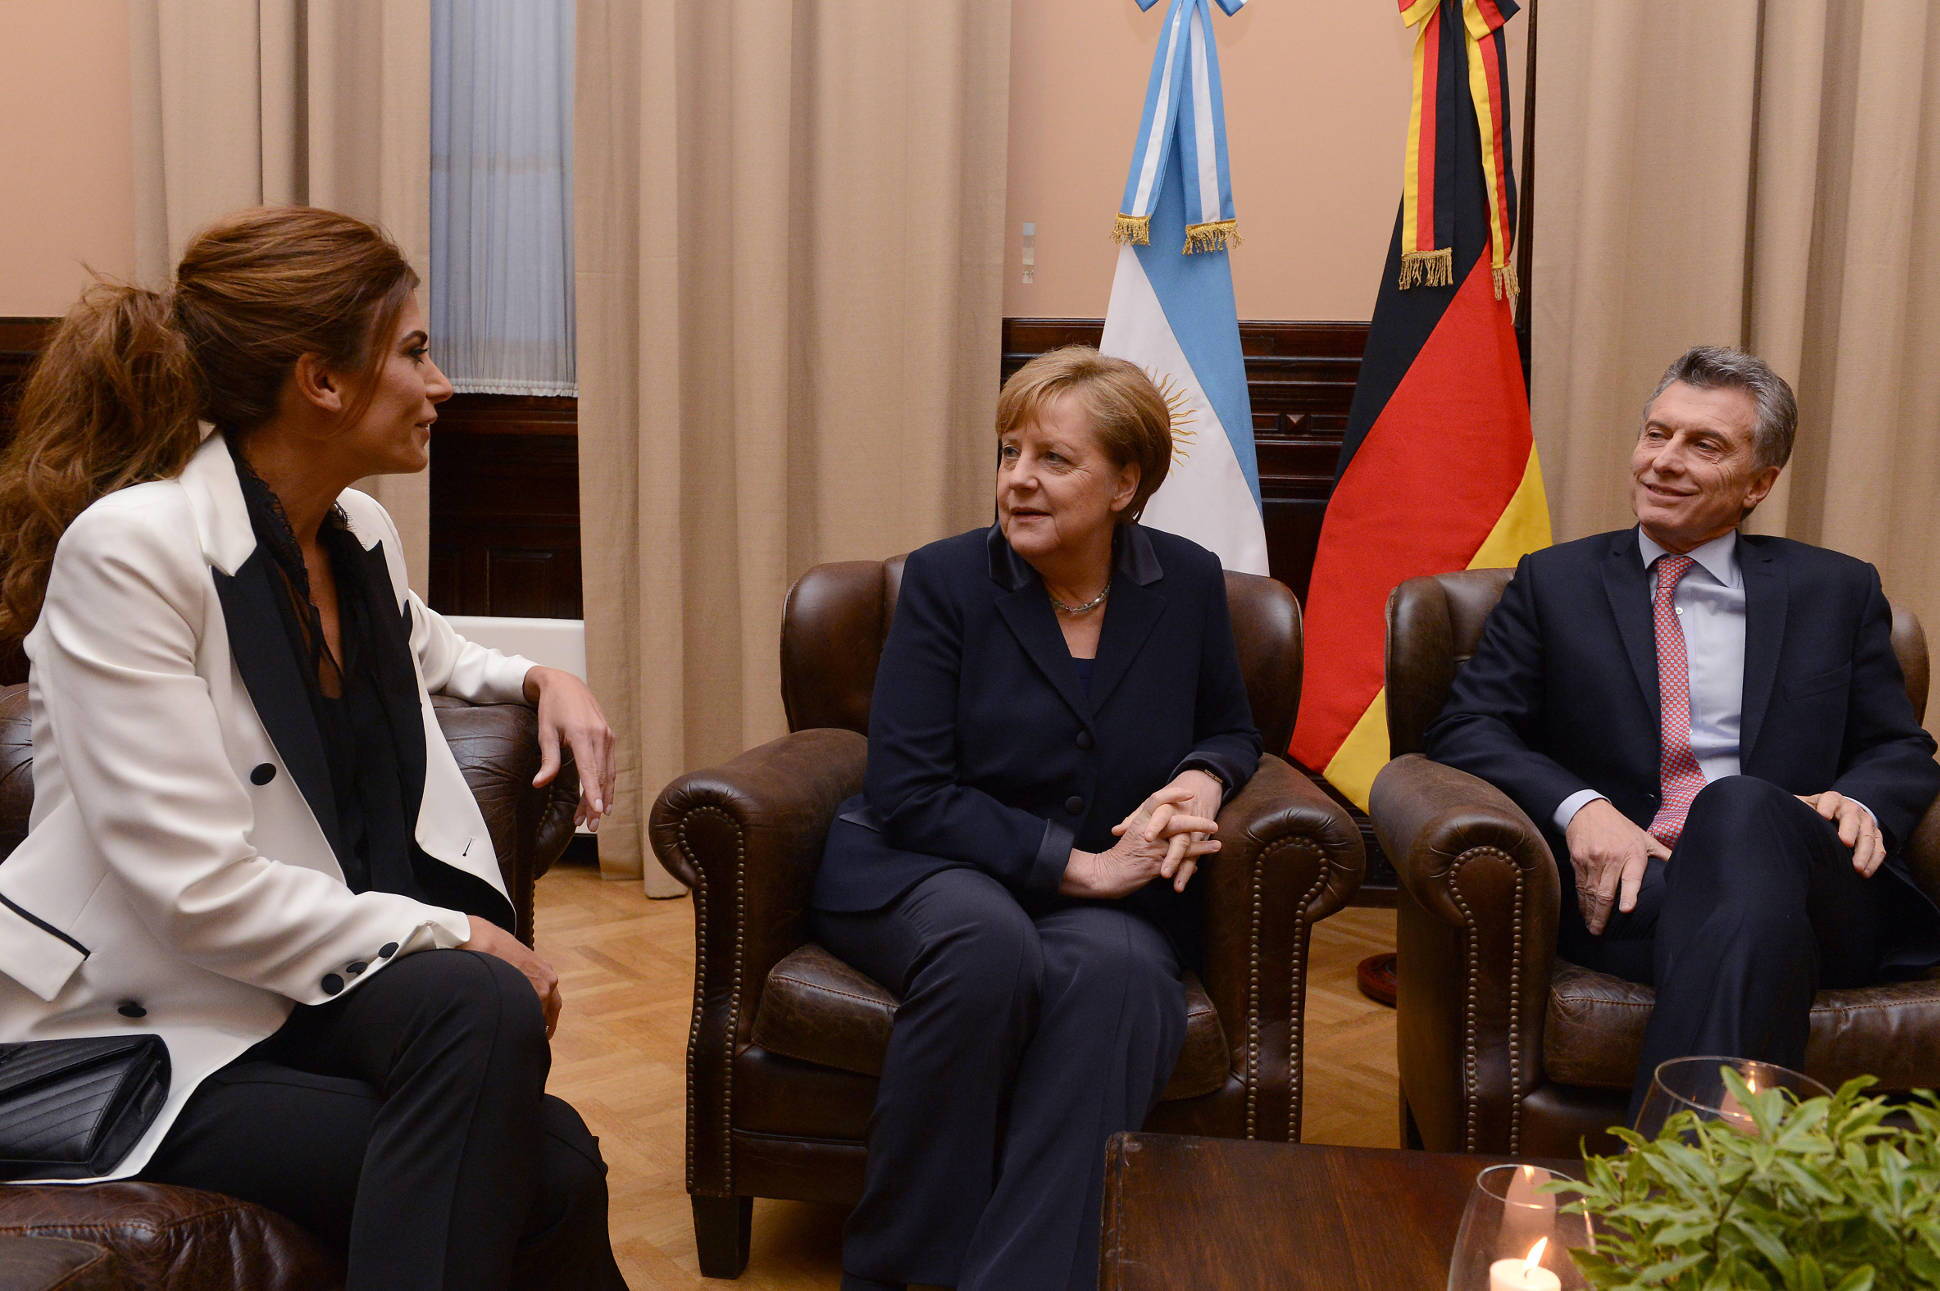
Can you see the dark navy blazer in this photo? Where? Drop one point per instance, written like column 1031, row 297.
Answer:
column 1562, row 692
column 984, row 751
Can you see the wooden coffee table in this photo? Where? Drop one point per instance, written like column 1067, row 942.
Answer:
column 1212, row 1214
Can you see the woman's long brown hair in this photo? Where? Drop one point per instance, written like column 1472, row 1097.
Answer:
column 117, row 396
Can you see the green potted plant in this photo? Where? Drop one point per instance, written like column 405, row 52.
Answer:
column 1813, row 1195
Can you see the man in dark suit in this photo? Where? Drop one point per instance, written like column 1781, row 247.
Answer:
column 1713, row 732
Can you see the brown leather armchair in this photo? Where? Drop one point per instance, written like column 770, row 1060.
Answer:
column 787, row 1041
column 1504, row 1046
column 162, row 1238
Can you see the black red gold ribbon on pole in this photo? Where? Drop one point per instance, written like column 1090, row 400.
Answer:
column 1427, row 200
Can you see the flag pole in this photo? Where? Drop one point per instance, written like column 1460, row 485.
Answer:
column 1526, row 205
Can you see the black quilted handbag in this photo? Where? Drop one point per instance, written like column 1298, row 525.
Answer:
column 71, row 1109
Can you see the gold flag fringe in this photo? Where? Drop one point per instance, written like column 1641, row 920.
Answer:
column 1132, row 230
column 1506, row 283
column 1219, row 235
column 1430, row 269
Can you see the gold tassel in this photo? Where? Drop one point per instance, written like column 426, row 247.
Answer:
column 1506, row 283
column 1132, row 230
column 1219, row 235
column 1427, row 269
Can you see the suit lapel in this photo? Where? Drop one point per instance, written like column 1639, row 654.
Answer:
column 1766, row 598
column 1627, row 586
column 258, row 642
column 1027, row 611
column 1131, row 611
column 1130, row 614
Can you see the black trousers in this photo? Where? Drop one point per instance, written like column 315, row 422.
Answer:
column 1758, row 908
column 1025, row 1039
column 406, row 1123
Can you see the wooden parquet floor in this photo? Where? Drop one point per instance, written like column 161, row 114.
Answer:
column 626, row 966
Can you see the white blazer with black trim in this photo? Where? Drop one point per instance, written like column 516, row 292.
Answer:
column 177, row 876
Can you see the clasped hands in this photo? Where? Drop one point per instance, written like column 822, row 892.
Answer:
column 1610, row 853
column 1163, row 838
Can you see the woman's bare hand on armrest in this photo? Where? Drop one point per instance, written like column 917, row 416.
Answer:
column 490, row 939
column 570, row 716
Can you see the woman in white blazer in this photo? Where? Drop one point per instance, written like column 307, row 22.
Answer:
column 248, row 836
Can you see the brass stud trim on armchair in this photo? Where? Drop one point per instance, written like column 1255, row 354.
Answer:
column 1471, row 1020
column 700, row 998
column 1471, row 1010
column 1296, row 1006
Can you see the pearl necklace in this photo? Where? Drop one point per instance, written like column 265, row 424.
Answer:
column 1087, row 607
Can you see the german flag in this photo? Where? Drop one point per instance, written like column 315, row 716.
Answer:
column 1438, row 471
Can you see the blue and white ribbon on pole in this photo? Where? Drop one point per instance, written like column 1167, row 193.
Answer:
column 1183, row 108
column 1173, row 313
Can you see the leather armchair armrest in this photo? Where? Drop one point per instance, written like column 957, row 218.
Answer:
column 1477, row 946
column 1922, row 852
column 746, row 837
column 497, row 748
column 1289, row 857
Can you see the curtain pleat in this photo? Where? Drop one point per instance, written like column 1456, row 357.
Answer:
column 789, row 237
column 1754, row 175
column 263, row 102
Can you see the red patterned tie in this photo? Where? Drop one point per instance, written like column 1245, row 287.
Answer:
column 1677, row 766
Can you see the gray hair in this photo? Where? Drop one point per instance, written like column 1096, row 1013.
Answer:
column 1711, row 367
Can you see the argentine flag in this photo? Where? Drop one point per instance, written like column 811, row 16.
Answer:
column 1172, row 310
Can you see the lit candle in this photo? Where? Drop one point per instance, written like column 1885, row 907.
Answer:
column 1734, row 1113
column 1525, row 1274
column 1528, row 1212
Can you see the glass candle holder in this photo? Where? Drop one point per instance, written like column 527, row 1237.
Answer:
column 1697, row 1085
column 1514, row 1236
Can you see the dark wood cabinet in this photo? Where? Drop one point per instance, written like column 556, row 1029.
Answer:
column 505, row 507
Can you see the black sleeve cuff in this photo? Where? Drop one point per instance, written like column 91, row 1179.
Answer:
column 1053, row 855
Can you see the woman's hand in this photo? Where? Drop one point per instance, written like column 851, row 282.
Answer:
column 1193, row 794
column 569, row 715
column 1140, row 855
column 490, row 939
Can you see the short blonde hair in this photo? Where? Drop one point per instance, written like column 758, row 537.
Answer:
column 1128, row 413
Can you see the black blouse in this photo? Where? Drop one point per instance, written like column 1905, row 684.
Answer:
column 359, row 746
column 362, row 744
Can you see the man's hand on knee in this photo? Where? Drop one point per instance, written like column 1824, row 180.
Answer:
column 1609, row 855
column 1857, row 828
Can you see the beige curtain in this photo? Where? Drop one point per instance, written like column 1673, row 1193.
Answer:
column 249, row 102
column 1758, row 174
column 789, row 241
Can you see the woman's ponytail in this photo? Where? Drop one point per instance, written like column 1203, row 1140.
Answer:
column 111, row 401
column 116, row 397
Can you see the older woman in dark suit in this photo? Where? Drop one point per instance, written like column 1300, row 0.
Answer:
column 1058, row 715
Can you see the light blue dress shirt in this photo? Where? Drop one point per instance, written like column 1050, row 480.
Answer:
column 1710, row 603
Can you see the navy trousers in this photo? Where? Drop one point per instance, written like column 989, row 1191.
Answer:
column 1758, row 908
column 1025, row 1039
column 406, row 1124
